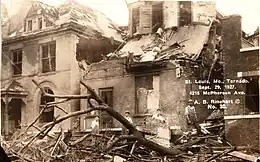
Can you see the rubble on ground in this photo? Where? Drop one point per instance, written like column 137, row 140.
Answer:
column 149, row 142
column 68, row 146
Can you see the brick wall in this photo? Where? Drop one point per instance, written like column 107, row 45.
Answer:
column 241, row 131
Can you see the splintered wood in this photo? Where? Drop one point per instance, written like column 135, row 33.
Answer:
column 151, row 143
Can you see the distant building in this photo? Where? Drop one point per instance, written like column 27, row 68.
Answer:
column 242, row 117
column 254, row 38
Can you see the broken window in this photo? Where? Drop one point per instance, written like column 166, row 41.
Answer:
column 107, row 96
column 48, row 113
column 252, row 94
column 40, row 23
column 157, row 16
column 185, row 13
column 48, row 57
column 147, row 94
column 30, row 25
column 17, row 62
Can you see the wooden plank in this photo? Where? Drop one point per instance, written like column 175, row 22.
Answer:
column 243, row 156
column 220, row 154
column 249, row 49
column 232, row 117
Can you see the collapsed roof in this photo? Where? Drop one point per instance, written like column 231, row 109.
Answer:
column 186, row 41
column 85, row 18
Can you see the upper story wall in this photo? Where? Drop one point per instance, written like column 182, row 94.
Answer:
column 147, row 16
column 57, row 51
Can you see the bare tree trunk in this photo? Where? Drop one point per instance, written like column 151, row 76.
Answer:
column 137, row 136
column 150, row 144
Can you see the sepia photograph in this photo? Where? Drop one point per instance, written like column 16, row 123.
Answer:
column 130, row 81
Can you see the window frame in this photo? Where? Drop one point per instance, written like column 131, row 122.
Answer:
column 104, row 114
column 250, row 94
column 41, row 106
column 183, row 13
column 40, row 23
column 106, row 89
column 149, row 86
column 51, row 59
column 17, row 62
column 29, row 25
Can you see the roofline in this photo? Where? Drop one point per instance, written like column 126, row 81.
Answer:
column 250, row 49
column 256, row 34
column 246, row 41
column 87, row 32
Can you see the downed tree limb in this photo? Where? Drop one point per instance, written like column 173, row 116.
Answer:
column 56, row 144
column 132, row 129
column 133, row 147
column 220, row 154
column 76, row 113
column 123, row 137
column 57, row 102
column 104, row 107
column 48, row 130
column 80, row 139
column 243, row 156
column 61, row 109
column 59, row 96
column 40, row 130
column 30, row 125
column 227, row 147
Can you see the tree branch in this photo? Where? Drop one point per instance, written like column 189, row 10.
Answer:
column 59, row 96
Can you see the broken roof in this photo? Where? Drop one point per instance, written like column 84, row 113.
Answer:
column 39, row 8
column 69, row 12
column 88, row 17
column 190, row 39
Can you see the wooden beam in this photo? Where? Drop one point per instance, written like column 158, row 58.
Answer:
column 249, row 49
column 243, row 156
column 248, row 73
column 232, row 117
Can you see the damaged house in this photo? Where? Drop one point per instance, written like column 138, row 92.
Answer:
column 173, row 52
column 49, row 44
column 173, row 48
column 170, row 45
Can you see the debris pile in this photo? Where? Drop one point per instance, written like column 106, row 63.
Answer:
column 136, row 145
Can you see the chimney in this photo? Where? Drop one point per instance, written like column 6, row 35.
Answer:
column 231, row 44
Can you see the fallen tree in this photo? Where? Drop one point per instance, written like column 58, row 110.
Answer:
column 133, row 147
column 96, row 103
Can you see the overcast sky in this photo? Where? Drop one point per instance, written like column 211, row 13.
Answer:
column 117, row 9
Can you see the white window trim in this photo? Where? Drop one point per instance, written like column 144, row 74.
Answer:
column 40, row 55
